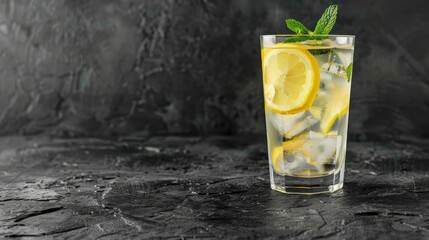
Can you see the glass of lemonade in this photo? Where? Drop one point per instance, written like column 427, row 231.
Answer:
column 307, row 93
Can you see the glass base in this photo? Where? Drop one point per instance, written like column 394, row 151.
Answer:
column 309, row 186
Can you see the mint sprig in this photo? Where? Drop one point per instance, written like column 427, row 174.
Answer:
column 323, row 26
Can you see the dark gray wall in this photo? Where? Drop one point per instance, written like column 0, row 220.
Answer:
column 98, row 67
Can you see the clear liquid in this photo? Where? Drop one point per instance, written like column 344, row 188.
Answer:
column 311, row 144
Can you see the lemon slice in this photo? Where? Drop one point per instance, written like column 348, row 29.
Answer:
column 332, row 101
column 331, row 116
column 278, row 160
column 279, row 154
column 296, row 143
column 291, row 79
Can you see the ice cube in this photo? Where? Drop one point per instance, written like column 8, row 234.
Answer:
column 301, row 125
column 283, row 123
column 334, row 68
column 326, row 150
column 291, row 125
column 321, row 148
column 344, row 56
column 297, row 162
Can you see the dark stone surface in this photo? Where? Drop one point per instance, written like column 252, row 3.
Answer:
column 121, row 67
column 132, row 68
column 202, row 187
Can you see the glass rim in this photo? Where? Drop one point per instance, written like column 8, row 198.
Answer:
column 308, row 35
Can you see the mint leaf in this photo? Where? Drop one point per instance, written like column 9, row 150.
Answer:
column 349, row 70
column 296, row 26
column 327, row 20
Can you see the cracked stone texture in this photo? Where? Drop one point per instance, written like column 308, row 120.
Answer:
column 174, row 187
column 129, row 67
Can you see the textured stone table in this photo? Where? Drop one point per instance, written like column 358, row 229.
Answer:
column 202, row 187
